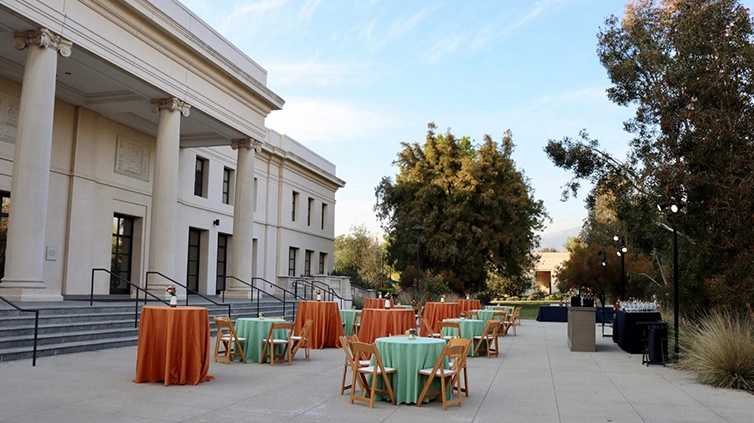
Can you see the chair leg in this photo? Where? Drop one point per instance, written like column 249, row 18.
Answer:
column 343, row 386
column 424, row 391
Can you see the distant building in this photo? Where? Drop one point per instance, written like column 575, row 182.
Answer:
column 544, row 273
column 133, row 139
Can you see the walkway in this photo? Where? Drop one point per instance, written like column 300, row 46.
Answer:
column 537, row 379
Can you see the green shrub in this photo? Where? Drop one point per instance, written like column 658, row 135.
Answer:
column 358, row 303
column 513, row 298
column 719, row 349
column 537, row 296
column 555, row 296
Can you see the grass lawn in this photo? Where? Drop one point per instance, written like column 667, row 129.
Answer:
column 530, row 308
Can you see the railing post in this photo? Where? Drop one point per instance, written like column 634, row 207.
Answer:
column 36, row 332
column 91, row 292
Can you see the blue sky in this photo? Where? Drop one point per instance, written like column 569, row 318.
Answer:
column 359, row 77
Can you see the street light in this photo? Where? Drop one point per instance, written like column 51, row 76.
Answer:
column 622, row 253
column 676, row 291
column 603, row 254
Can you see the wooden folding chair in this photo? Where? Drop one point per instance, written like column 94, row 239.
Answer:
column 356, row 327
column 227, row 338
column 301, row 340
column 450, row 326
column 466, row 343
column 345, row 343
column 455, row 355
column 488, row 338
column 511, row 322
column 271, row 342
column 517, row 320
column 360, row 352
column 472, row 315
column 430, row 332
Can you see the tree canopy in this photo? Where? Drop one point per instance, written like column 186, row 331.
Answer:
column 460, row 211
column 359, row 254
column 687, row 67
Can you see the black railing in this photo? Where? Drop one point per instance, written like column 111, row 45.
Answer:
column 152, row 272
column 261, row 292
column 36, row 326
column 309, row 287
column 286, row 293
column 136, row 299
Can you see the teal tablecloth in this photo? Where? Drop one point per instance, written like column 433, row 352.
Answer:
column 506, row 308
column 469, row 329
column 347, row 316
column 408, row 306
column 486, row 314
column 408, row 357
column 255, row 330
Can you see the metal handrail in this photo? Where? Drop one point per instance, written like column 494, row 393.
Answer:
column 328, row 290
column 295, row 296
column 260, row 292
column 36, row 326
column 136, row 300
column 153, row 272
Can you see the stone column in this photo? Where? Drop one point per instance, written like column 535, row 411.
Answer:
column 243, row 217
column 162, row 228
column 24, row 279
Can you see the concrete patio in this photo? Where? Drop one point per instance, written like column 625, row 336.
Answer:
column 536, row 379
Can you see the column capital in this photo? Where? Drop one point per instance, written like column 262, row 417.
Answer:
column 171, row 104
column 42, row 38
column 247, row 143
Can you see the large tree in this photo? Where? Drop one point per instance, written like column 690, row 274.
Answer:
column 460, row 211
column 359, row 254
column 687, row 66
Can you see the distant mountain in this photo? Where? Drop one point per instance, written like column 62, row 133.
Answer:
column 556, row 239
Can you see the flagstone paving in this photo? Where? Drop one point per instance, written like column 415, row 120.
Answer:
column 535, row 379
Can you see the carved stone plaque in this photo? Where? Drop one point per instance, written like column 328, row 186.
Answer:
column 8, row 118
column 132, row 159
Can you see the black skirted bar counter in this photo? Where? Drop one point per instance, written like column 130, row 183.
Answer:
column 560, row 314
column 628, row 333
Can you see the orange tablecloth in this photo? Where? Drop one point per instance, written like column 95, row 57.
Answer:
column 327, row 326
column 377, row 323
column 437, row 312
column 173, row 345
column 376, row 303
column 468, row 305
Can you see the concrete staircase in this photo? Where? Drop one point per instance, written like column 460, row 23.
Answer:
column 74, row 326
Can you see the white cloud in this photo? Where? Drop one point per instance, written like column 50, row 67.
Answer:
column 313, row 120
column 443, row 48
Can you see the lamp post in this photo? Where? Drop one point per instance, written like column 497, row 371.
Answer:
column 676, row 289
column 418, row 229
column 622, row 253
column 603, row 254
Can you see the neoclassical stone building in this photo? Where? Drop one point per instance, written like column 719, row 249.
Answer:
column 133, row 138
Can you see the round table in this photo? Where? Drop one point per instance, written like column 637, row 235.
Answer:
column 255, row 330
column 173, row 345
column 409, row 356
column 468, row 305
column 376, row 303
column 486, row 314
column 347, row 317
column 437, row 312
column 376, row 323
column 327, row 326
column 469, row 329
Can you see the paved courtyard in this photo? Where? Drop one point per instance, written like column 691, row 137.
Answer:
column 536, row 379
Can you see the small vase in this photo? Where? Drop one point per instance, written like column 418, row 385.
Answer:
column 173, row 301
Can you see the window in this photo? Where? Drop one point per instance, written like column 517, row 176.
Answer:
column 227, row 182
column 194, row 253
column 256, row 189
column 4, row 212
column 292, row 261
column 201, row 164
column 121, row 253
column 308, row 263
column 322, row 218
column 309, row 212
column 322, row 259
column 293, row 206
column 222, row 261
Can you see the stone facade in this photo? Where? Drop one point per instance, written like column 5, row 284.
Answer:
column 132, row 138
